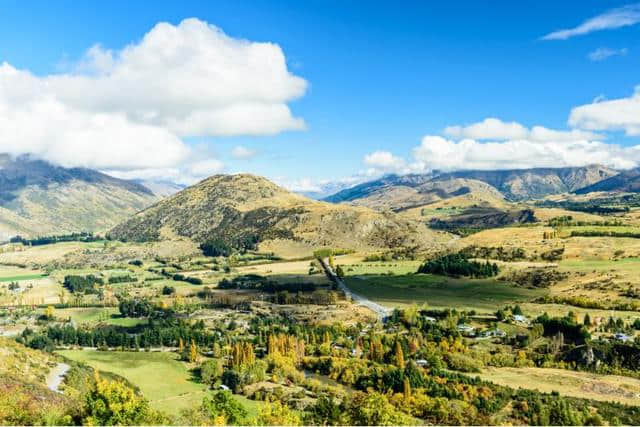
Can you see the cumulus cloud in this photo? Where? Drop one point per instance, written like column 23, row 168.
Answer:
column 603, row 53
column 128, row 110
column 384, row 160
column 243, row 153
column 496, row 129
column 615, row 114
column 436, row 152
column 615, row 18
column 489, row 128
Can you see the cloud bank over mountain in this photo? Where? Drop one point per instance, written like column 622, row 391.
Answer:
column 130, row 110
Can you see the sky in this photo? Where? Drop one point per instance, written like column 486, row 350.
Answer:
column 316, row 95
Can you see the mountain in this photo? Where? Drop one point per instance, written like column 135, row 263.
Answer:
column 39, row 198
column 368, row 188
column 401, row 192
column 525, row 184
column 244, row 209
column 161, row 188
column 626, row 181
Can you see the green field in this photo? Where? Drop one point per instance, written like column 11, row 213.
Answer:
column 22, row 277
column 623, row 264
column 163, row 379
column 440, row 291
column 94, row 315
column 381, row 267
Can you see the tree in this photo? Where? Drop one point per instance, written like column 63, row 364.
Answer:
column 587, row 320
column 211, row 371
column 223, row 404
column 339, row 271
column 373, row 409
column 325, row 412
column 277, row 414
column 406, row 388
column 193, row 352
column 114, row 403
column 399, row 359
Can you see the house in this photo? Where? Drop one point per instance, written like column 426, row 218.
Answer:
column 622, row 337
column 520, row 318
column 422, row 363
column 498, row 333
column 466, row 329
column 430, row 319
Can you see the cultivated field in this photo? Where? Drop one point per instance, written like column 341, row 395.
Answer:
column 607, row 388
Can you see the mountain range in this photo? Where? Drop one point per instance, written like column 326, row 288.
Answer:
column 400, row 192
column 38, row 198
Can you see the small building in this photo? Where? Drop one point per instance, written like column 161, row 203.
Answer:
column 466, row 329
column 520, row 318
column 430, row 319
column 422, row 363
column 622, row 337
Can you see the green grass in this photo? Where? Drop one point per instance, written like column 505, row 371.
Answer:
column 93, row 315
column 440, row 291
column 623, row 264
column 381, row 267
column 22, row 277
column 164, row 380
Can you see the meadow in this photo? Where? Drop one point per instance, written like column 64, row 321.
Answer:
column 162, row 378
column 587, row 385
column 440, row 292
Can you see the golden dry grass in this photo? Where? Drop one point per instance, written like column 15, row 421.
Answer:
column 568, row 383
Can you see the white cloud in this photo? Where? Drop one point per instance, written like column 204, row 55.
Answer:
column 436, row 152
column 243, row 153
column 612, row 19
column 489, row 128
column 384, row 160
column 128, row 110
column 603, row 53
column 496, row 129
column 616, row 114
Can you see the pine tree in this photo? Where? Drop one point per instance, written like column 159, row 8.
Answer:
column 181, row 346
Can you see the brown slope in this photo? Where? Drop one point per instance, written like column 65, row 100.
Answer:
column 246, row 208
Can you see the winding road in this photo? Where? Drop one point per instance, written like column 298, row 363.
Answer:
column 380, row 311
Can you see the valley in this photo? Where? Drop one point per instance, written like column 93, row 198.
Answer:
column 236, row 301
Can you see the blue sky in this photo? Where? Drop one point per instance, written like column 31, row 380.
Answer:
column 380, row 76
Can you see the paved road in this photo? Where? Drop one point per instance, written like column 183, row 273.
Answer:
column 380, row 311
column 56, row 375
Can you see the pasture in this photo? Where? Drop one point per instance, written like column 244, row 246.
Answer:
column 163, row 379
column 440, row 291
column 568, row 383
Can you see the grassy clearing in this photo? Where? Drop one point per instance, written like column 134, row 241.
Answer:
column 164, row 380
column 439, row 291
column 22, row 277
column 95, row 315
column 569, row 383
column 380, row 267
column 624, row 264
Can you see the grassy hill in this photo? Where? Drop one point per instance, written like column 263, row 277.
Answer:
column 39, row 198
column 245, row 208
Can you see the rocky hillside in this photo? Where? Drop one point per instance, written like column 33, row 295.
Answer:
column 243, row 210
column 38, row 198
column 401, row 192
column 626, row 181
column 400, row 198
column 524, row 184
